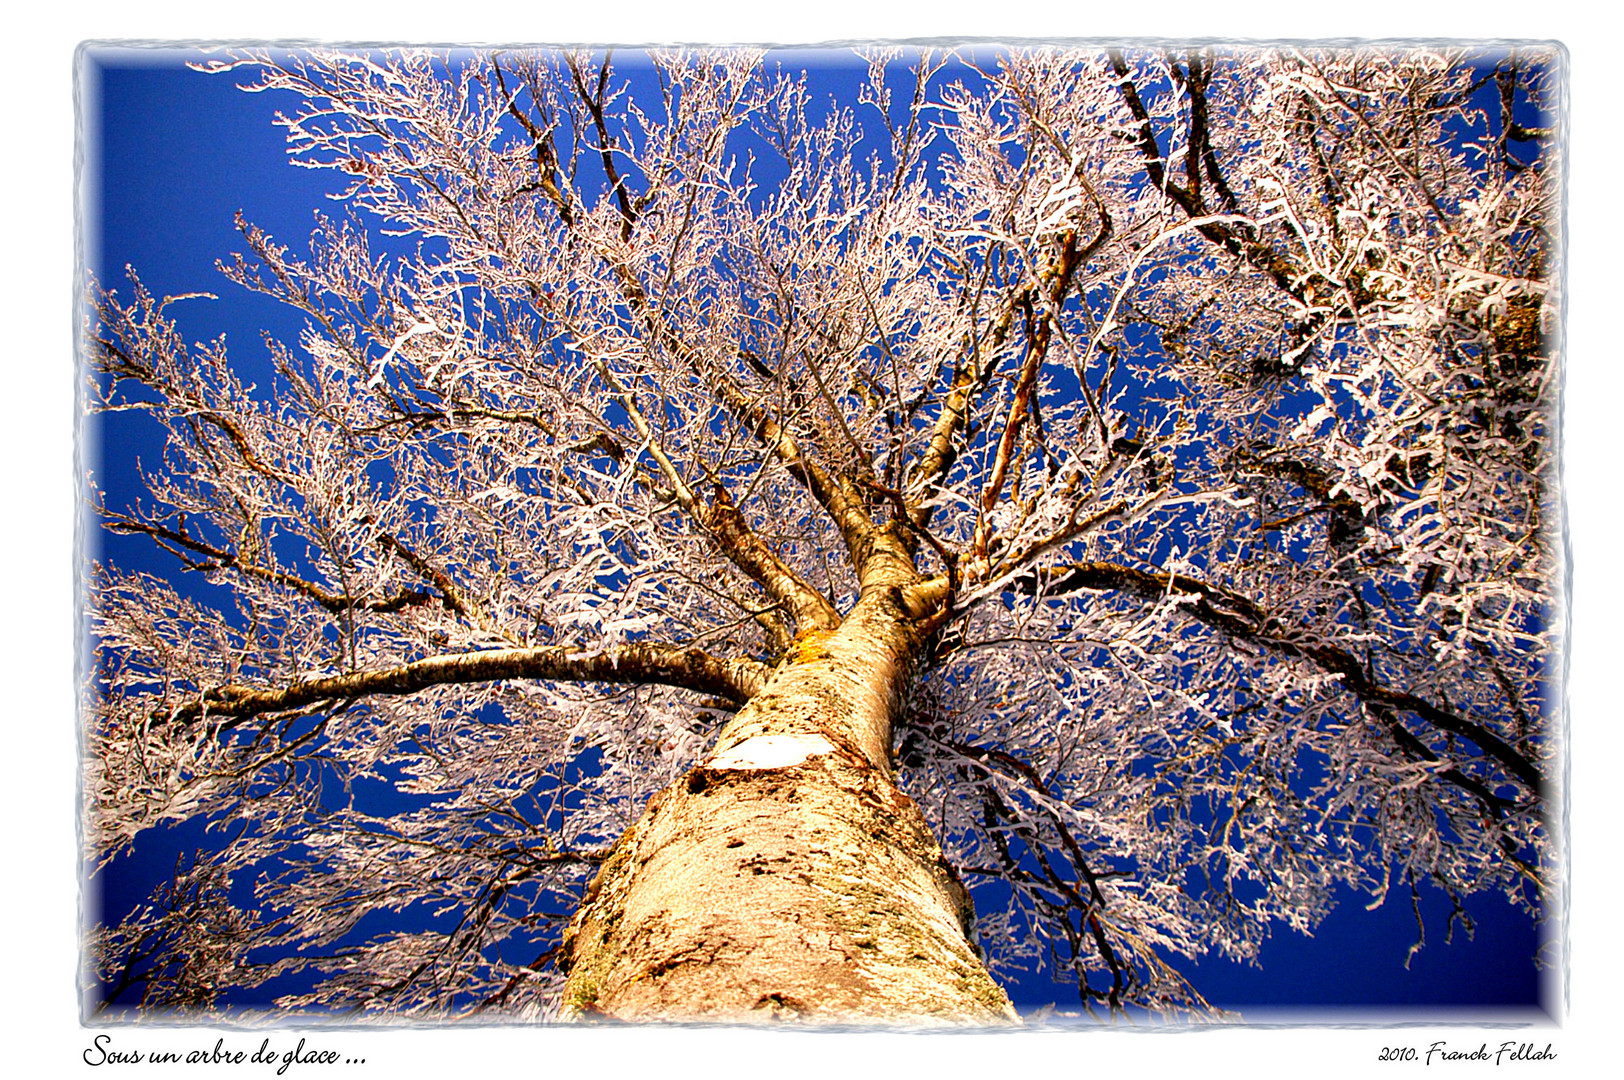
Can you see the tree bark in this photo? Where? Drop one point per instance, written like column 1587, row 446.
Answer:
column 786, row 877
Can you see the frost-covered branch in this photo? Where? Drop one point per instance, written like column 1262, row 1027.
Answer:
column 689, row 669
column 1244, row 618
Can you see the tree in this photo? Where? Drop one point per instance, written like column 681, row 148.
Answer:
column 692, row 550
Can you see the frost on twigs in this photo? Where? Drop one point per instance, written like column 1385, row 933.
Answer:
column 1145, row 459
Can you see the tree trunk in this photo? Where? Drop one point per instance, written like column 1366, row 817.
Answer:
column 786, row 877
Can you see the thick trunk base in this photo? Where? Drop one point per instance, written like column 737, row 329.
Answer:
column 785, row 879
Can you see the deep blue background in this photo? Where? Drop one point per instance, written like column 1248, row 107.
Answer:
column 172, row 155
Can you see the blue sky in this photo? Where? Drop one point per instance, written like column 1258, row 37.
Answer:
column 180, row 153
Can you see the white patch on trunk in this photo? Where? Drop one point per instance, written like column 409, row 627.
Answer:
column 770, row 752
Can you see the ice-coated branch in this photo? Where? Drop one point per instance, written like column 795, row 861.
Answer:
column 723, row 522
column 690, row 669
column 1244, row 618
